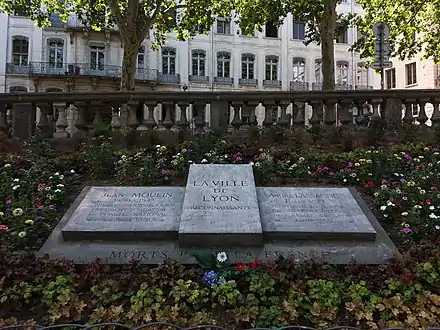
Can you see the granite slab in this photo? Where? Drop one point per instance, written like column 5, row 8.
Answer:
column 290, row 213
column 220, row 207
column 125, row 214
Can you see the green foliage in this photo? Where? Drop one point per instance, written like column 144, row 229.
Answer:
column 413, row 27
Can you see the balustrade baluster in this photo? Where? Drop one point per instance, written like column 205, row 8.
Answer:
column 132, row 120
column 317, row 112
column 435, row 118
column 167, row 108
column 284, row 119
column 80, row 123
column 269, row 108
column 236, row 121
column 345, row 118
column 44, row 128
column 422, row 118
column 150, row 122
column 330, row 112
column 4, row 127
column 116, row 123
column 408, row 117
column 183, row 123
column 299, row 114
column 199, row 119
column 97, row 119
column 252, row 105
column 61, row 123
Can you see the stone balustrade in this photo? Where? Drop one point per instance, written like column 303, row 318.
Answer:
column 64, row 115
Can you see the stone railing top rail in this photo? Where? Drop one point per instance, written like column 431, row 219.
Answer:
column 173, row 326
column 427, row 95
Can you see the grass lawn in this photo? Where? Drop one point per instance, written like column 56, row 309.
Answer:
column 400, row 184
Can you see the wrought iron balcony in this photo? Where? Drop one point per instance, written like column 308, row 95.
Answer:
column 169, row 78
column 272, row 83
column 247, row 82
column 299, row 86
column 87, row 70
column 224, row 80
column 343, row 87
column 20, row 69
column 199, row 79
column 363, row 87
column 55, row 21
column 316, row 86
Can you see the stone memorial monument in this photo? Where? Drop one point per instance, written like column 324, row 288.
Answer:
column 222, row 210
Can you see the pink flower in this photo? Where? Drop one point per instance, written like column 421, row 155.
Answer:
column 8, row 201
column 164, row 172
column 3, row 227
column 406, row 230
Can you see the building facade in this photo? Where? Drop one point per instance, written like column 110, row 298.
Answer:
column 73, row 57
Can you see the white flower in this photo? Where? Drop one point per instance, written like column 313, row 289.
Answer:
column 251, row 163
column 72, row 171
column 437, row 227
column 433, row 216
column 222, row 257
column 57, row 190
column 15, row 187
column 204, row 160
column 383, row 208
column 61, row 177
column 57, row 173
column 16, row 180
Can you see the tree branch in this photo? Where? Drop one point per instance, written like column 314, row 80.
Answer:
column 119, row 18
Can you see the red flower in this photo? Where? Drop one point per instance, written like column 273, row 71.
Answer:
column 35, row 197
column 49, row 183
column 428, row 201
column 252, row 265
column 434, row 188
column 39, row 205
column 240, row 266
column 397, row 203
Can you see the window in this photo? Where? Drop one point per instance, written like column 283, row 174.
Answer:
column 318, row 71
column 198, row 63
column 342, row 37
column 140, row 62
column 342, row 73
column 411, row 73
column 362, row 74
column 299, row 30
column 169, row 61
column 223, row 26
column 390, row 78
column 271, row 30
column 17, row 89
column 56, row 53
column 247, row 66
column 20, row 51
column 299, row 70
column 271, row 67
column 223, row 64
column 97, row 57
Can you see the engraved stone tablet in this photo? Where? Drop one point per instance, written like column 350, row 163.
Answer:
column 220, row 207
column 313, row 214
column 126, row 214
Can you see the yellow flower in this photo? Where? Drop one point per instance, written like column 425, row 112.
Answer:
column 22, row 234
column 8, row 165
column 369, row 161
column 17, row 212
column 301, row 159
column 1, row 214
column 29, row 222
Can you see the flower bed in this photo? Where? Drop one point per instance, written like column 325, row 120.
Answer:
column 400, row 185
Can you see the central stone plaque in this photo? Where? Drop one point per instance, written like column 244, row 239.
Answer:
column 313, row 214
column 126, row 214
column 220, row 207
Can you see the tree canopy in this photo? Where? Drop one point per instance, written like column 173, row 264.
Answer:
column 133, row 18
column 414, row 27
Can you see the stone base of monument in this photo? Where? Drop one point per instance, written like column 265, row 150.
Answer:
column 221, row 210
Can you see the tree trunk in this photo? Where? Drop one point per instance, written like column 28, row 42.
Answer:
column 327, row 33
column 131, row 48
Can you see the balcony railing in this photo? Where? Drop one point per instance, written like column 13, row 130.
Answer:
column 196, row 111
column 20, row 69
column 224, row 80
column 272, row 83
column 363, row 87
column 38, row 69
column 343, row 87
column 317, row 86
column 199, row 79
column 169, row 78
column 247, row 82
column 299, row 86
